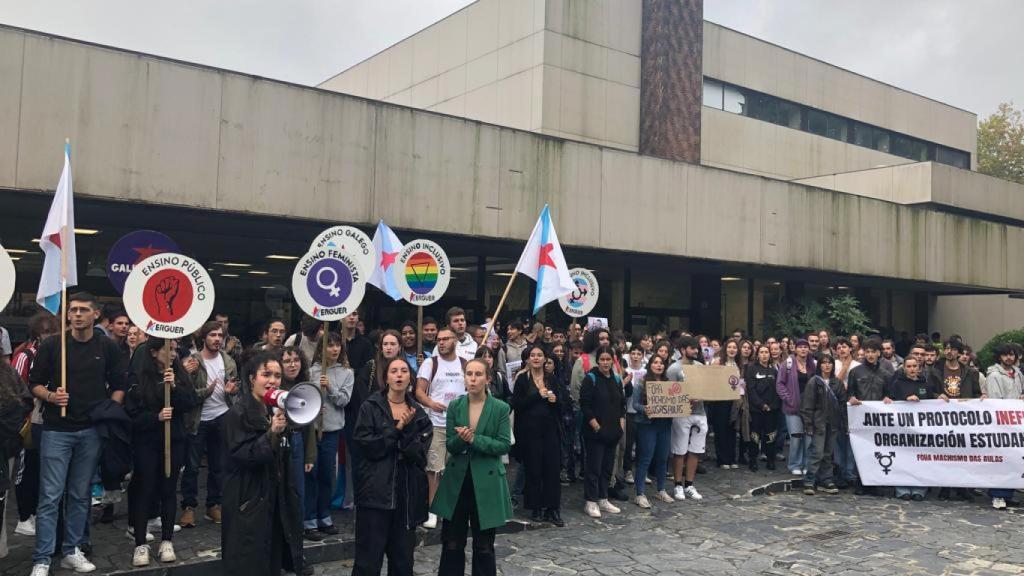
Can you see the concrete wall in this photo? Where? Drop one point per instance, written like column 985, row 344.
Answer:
column 159, row 132
column 931, row 182
column 568, row 68
column 482, row 62
column 740, row 143
column 977, row 318
column 746, row 61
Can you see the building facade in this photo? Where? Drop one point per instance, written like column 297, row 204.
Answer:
column 707, row 177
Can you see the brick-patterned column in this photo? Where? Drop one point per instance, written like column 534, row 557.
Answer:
column 671, row 79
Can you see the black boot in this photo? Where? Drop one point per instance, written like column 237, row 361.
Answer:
column 554, row 516
column 537, row 516
column 770, row 464
column 859, row 489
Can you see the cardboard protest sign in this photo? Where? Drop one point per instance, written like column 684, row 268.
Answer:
column 132, row 248
column 711, row 382
column 348, row 239
column 582, row 300
column 168, row 295
column 666, row 400
column 329, row 283
column 422, row 272
column 7, row 276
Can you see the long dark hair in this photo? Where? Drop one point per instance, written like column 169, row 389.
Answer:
column 379, row 360
column 410, row 399
column 333, row 339
column 303, row 375
column 650, row 376
column 149, row 377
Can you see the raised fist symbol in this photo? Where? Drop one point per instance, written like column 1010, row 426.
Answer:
column 167, row 292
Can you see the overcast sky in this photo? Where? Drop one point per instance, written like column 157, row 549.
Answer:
column 965, row 53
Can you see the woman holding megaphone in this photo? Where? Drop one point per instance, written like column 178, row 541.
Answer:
column 144, row 403
column 261, row 532
column 394, row 433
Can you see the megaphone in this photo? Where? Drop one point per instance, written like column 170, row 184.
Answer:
column 301, row 404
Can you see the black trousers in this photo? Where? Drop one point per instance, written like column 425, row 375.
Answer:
column 542, row 454
column 149, row 483
column 763, row 428
column 381, row 533
column 719, row 414
column 27, row 491
column 600, row 462
column 453, row 538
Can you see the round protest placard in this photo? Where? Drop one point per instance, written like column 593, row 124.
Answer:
column 422, row 272
column 168, row 295
column 348, row 239
column 582, row 300
column 7, row 276
column 132, row 248
column 329, row 283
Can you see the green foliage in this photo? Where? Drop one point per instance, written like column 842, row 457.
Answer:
column 839, row 315
column 986, row 356
column 1001, row 144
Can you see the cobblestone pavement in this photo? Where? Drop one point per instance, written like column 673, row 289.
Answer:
column 783, row 533
column 729, row 532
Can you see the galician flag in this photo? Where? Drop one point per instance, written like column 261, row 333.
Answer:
column 543, row 261
column 387, row 245
column 60, row 267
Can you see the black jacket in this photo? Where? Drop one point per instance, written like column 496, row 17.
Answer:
column 867, row 382
column 115, row 429
column 760, row 382
column 965, row 384
column 258, row 484
column 394, row 462
column 902, row 387
column 602, row 398
column 145, row 400
column 823, row 404
column 365, row 384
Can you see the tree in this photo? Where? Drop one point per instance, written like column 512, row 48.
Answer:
column 1001, row 144
column 840, row 314
column 987, row 356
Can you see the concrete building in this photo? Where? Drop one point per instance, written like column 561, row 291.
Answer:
column 706, row 176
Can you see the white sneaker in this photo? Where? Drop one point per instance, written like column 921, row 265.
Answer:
column 641, row 501
column 679, row 493
column 999, row 503
column 607, row 506
column 724, row 466
column 77, row 561
column 629, row 477
column 166, row 552
column 649, row 480
column 27, row 528
column 734, row 466
column 141, row 556
column 431, row 522
column 664, row 497
column 692, row 494
column 130, row 533
column 592, row 510
column 797, row 472
column 156, row 525
column 40, row 570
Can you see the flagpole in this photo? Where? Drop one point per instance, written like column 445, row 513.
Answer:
column 501, row 303
column 419, row 332
column 63, row 303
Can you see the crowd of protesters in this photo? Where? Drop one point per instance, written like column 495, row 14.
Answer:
column 425, row 437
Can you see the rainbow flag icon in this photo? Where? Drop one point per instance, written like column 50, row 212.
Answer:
column 421, row 273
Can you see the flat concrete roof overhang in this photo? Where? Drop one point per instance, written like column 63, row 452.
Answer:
column 156, row 131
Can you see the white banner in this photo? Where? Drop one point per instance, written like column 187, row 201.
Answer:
column 967, row 444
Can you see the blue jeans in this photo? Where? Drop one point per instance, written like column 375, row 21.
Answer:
column 844, row 458
column 781, row 432
column 652, row 442
column 799, row 444
column 1000, row 493
column 299, row 464
column 66, row 459
column 912, row 490
column 320, row 482
column 209, row 438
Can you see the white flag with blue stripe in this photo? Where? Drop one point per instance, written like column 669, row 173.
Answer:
column 59, row 236
column 543, row 261
column 387, row 247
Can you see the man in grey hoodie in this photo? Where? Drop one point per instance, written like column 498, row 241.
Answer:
column 1004, row 382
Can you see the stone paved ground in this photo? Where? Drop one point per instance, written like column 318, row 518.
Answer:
column 729, row 532
column 783, row 533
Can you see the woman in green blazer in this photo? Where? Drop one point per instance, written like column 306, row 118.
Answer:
column 473, row 489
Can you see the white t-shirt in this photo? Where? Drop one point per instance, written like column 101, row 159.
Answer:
column 839, row 365
column 214, row 405
column 5, row 342
column 449, row 383
column 465, row 348
column 638, row 378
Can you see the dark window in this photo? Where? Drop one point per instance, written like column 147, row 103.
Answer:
column 908, row 147
column 817, row 123
column 863, row 135
column 952, row 157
